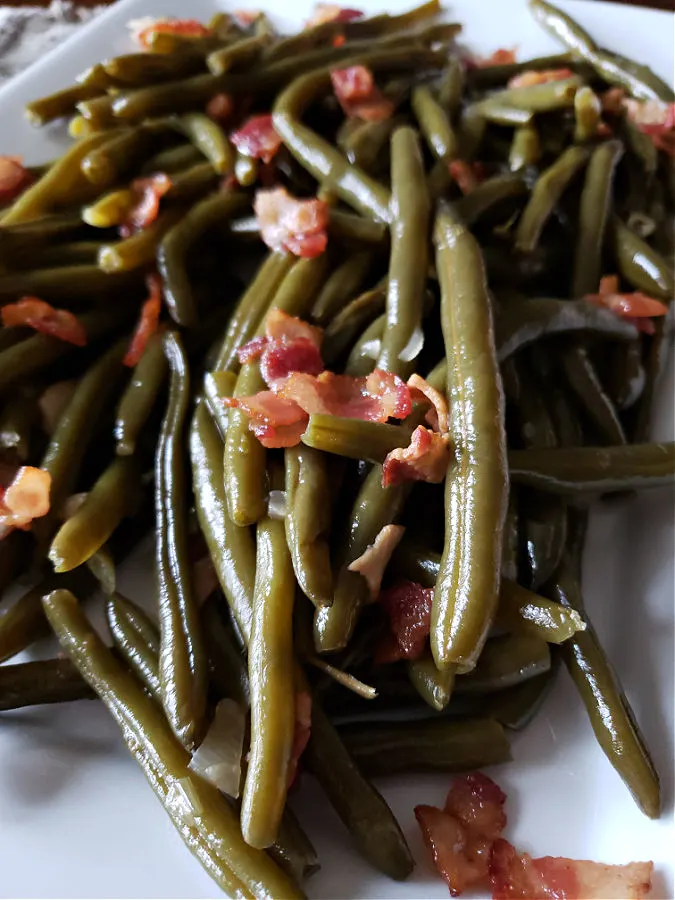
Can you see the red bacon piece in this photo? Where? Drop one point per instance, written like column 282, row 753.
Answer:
column 375, row 398
column 531, row 77
column 149, row 192
column 426, row 458
column 408, row 606
column 257, row 138
column 358, row 95
column 46, row 319
column 287, row 223
column 148, row 322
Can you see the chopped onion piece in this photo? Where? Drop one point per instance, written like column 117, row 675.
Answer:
column 218, row 758
column 414, row 346
column 277, row 507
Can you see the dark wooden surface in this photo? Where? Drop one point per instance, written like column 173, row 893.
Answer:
column 654, row 4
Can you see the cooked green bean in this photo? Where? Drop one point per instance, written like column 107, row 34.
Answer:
column 343, row 283
column 505, row 661
column 434, row 124
column 366, row 144
column 350, row 227
column 72, row 285
column 585, row 383
column 244, row 456
column 574, row 471
column 60, row 103
column 172, row 160
column 537, row 99
column 237, row 54
column 45, row 681
column 191, row 184
column 209, row 827
column 361, row 360
column 293, row 851
column 354, row 438
column 362, row 809
column 587, row 114
column 139, row 249
column 175, row 246
column 640, row 264
column 111, row 498
column 182, row 660
column 476, row 490
column 639, row 144
column 492, row 76
column 270, row 672
column 308, row 522
column 44, row 231
column 136, row 639
column 140, row 396
column 410, row 210
column 547, row 191
column 434, row 687
column 209, row 138
column 438, row 745
column 515, row 707
column 17, row 420
column 141, row 69
column 111, row 209
column 594, row 209
column 490, row 196
column 525, row 149
column 523, row 612
column 111, row 160
column 350, row 320
column 102, row 566
column 451, row 87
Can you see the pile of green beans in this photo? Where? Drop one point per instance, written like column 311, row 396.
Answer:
column 483, row 292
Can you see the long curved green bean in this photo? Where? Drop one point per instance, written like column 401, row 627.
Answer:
column 585, row 383
column 182, row 659
column 476, row 491
column 136, row 639
column 44, row 681
column 59, row 104
column 525, row 149
column 587, row 114
column 361, row 359
column 140, row 396
column 434, row 687
column 210, row 827
column 491, row 196
column 138, row 250
column 71, row 285
column 434, row 124
column 505, row 661
column 237, row 54
column 344, row 282
column 640, row 264
column 354, row 438
column 209, row 138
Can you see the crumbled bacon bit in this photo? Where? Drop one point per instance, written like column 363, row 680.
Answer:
column 221, row 109
column 149, row 191
column 501, row 57
column 289, row 345
column 46, row 319
column 408, row 606
column 515, row 876
column 287, row 223
column 279, row 326
column 374, row 398
column 25, row 498
column 466, row 175
column 257, row 138
column 148, row 322
column 635, row 307
column 426, row 458
column 303, row 728
column 530, row 77
column 612, row 100
column 358, row 95
column 422, row 391
column 182, row 27
column 13, row 178
column 655, row 119
column 331, row 12
column 375, row 559
column 276, row 422
column 461, row 835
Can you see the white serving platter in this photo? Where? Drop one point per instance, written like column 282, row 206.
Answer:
column 76, row 817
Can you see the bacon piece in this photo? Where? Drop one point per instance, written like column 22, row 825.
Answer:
column 257, row 138
column 501, row 57
column 149, row 191
column 46, row 319
column 655, row 119
column 280, row 360
column 612, row 100
column 148, row 322
column 24, row 499
column 13, row 178
column 375, row 398
column 460, row 837
column 635, row 307
column 331, row 12
column 519, row 876
column 375, row 559
column 422, row 391
column 466, row 175
column 144, row 29
column 358, row 95
column 530, row 77
column 303, row 728
column 279, row 326
column 251, row 350
column 276, row 422
column 220, row 108
column 408, row 606
column 426, row 458
column 287, row 223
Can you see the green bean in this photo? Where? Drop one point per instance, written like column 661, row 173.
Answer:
column 140, row 396
column 656, row 357
column 136, row 639
column 102, row 567
column 434, row 687
column 172, row 160
column 111, row 160
column 640, row 264
column 451, row 87
column 239, row 54
column 354, row 438
column 308, row 522
column 584, row 382
column 511, row 545
column 516, row 706
column 637, row 80
column 610, row 714
column 490, row 196
column 209, row 138
column 46, row 681
column 244, row 456
column 246, row 170
column 528, row 319
column 366, row 144
column 17, row 420
column 485, row 77
column 111, row 209
column 434, row 124
column 437, row 745
column 293, row 851
column 505, row 661
column 60, row 103
column 626, row 376
column 593, row 217
column 97, row 114
column 476, row 491
column 111, row 498
column 502, row 113
column 79, row 253
column 341, row 332
column 210, row 829
column 141, row 69
column 182, row 660
column 231, row 547
column 639, row 144
column 574, row 471
column 68, row 283
column 252, row 307
column 361, row 360
column 270, row 671
column 525, row 149
column 547, row 191
column 227, row 663
column 349, row 227
column 536, row 99
column 345, row 281
column 410, row 210
column 361, row 808
column 175, row 246
column 139, row 249
column 190, row 185
column 45, row 230
column 525, row 613
column 587, row 115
